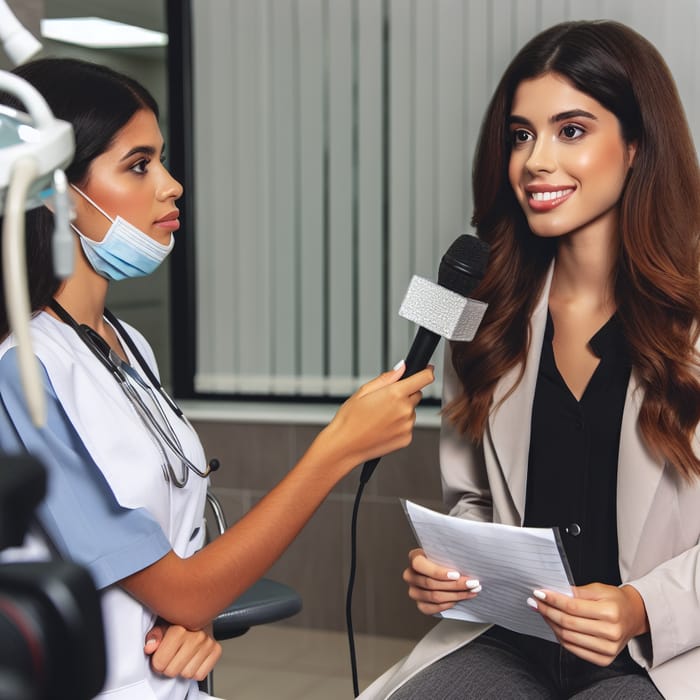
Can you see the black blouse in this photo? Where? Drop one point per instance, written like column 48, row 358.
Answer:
column 572, row 468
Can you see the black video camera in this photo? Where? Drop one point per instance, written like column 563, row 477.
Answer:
column 51, row 634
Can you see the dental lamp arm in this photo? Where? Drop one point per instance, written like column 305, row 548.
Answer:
column 25, row 166
column 20, row 45
column 15, row 283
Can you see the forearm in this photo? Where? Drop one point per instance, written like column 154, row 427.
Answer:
column 192, row 591
column 376, row 420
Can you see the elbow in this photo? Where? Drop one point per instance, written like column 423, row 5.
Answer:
column 190, row 608
column 171, row 590
column 194, row 622
column 191, row 616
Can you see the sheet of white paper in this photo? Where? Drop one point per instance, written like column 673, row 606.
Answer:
column 510, row 562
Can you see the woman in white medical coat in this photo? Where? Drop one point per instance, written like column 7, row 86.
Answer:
column 127, row 474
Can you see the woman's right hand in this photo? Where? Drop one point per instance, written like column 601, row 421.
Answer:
column 436, row 588
column 379, row 417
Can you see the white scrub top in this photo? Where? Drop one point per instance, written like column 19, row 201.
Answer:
column 108, row 506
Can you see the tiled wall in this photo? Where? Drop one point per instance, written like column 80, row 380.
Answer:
column 254, row 456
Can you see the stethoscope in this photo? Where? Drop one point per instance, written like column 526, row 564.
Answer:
column 159, row 428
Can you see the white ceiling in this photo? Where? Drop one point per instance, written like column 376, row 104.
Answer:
column 149, row 14
column 143, row 13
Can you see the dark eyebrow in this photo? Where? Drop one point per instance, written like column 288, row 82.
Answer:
column 142, row 150
column 562, row 116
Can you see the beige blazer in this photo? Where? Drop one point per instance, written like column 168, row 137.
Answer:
column 658, row 522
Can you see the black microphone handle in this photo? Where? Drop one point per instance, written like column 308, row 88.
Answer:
column 419, row 355
column 421, row 351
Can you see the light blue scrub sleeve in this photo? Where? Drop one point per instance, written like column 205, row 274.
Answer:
column 80, row 512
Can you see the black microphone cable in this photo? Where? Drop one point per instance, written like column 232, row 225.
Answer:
column 351, row 584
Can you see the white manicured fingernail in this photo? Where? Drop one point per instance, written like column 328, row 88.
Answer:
column 532, row 603
column 453, row 575
column 473, row 583
column 399, row 365
column 540, row 594
column 475, row 590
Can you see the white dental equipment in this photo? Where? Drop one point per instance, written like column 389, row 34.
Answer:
column 19, row 43
column 34, row 147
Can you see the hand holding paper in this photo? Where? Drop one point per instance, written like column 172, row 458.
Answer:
column 599, row 624
column 436, row 588
column 509, row 562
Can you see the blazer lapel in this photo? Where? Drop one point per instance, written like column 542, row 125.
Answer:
column 509, row 424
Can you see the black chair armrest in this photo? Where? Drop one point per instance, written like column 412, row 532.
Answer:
column 265, row 601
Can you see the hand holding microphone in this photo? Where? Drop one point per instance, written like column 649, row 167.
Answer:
column 378, row 418
column 443, row 309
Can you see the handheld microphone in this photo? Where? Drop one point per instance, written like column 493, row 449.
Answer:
column 440, row 310
column 443, row 309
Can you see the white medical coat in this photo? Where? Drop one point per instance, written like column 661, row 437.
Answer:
column 109, row 506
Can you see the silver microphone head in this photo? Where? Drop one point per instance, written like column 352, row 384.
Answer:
column 441, row 310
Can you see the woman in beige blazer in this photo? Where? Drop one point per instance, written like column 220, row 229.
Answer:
column 591, row 206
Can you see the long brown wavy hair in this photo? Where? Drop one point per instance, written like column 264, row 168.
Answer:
column 657, row 277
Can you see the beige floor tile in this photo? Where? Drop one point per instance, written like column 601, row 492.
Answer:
column 270, row 684
column 290, row 663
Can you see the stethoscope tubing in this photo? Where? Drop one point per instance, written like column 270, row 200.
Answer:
column 122, row 373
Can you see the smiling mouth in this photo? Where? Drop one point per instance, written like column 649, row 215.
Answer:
column 549, row 196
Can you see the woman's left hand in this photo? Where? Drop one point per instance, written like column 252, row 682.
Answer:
column 178, row 652
column 597, row 622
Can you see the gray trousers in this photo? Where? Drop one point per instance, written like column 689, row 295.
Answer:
column 504, row 665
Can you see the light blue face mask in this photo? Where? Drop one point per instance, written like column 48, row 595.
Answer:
column 125, row 251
